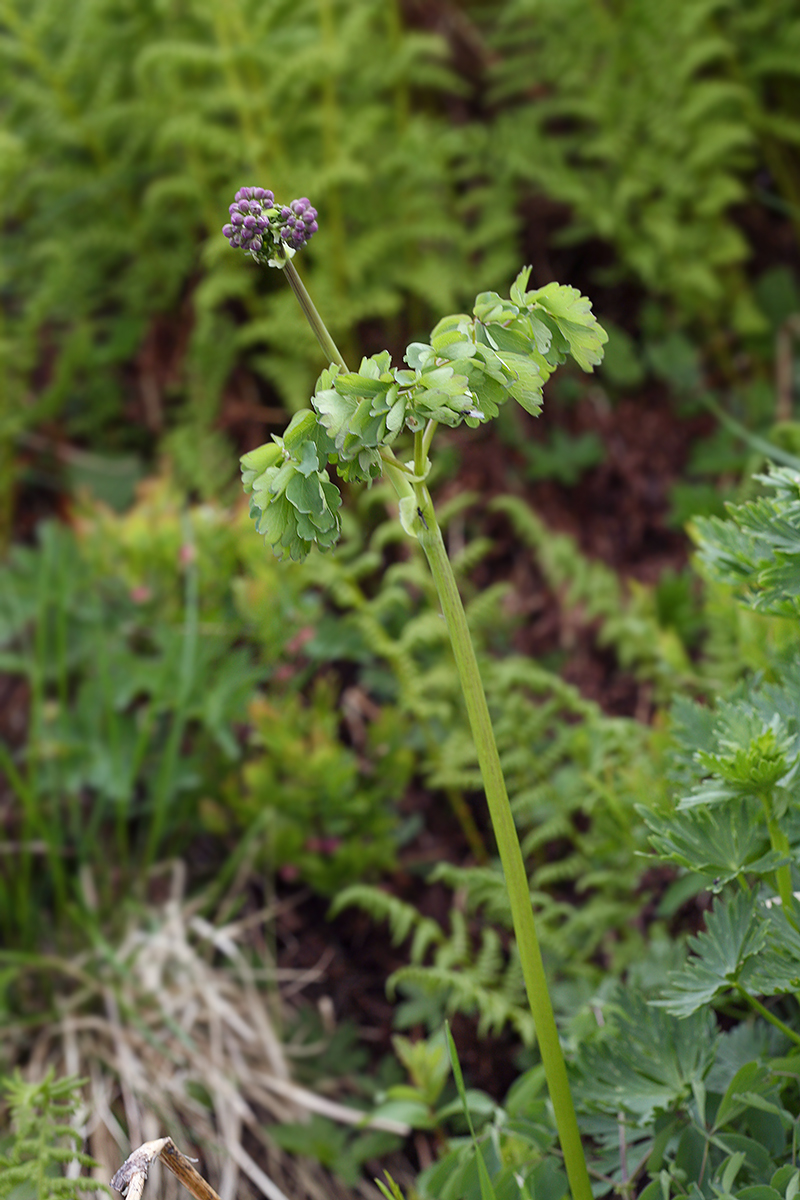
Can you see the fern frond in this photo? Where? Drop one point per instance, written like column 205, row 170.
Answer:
column 402, row 918
column 484, row 888
column 36, row 1155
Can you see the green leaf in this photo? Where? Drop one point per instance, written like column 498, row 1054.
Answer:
column 646, row 1062
column 419, row 355
column 390, row 1192
column 752, row 1075
column 334, row 412
column 526, row 383
column 758, row 1191
column 573, row 315
column 757, row 550
column 299, row 430
column 734, row 936
column 720, row 843
column 519, row 285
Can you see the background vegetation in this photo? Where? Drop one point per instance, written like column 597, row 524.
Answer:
column 201, row 749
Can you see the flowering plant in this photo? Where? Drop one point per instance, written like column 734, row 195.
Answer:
column 470, row 366
column 270, row 234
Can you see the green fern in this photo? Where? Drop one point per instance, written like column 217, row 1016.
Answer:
column 42, row 1143
column 650, row 126
column 628, row 621
column 127, row 129
column 403, row 918
column 573, row 775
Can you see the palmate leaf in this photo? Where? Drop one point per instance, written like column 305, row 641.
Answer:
column 720, row 843
column 647, row 1064
column 723, row 955
column 758, row 549
column 752, row 749
column 778, row 970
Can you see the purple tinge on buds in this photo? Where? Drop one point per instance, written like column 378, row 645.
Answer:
column 299, row 222
column 260, row 226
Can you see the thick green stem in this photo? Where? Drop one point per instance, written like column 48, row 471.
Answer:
column 430, row 538
column 329, row 347
column 429, row 534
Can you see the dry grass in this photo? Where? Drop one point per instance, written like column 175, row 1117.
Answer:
column 178, row 1034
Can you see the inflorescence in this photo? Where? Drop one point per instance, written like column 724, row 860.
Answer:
column 270, row 233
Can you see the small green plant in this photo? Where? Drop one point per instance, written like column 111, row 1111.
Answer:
column 329, row 817
column 42, row 1143
column 673, row 1098
column 472, row 365
column 135, row 639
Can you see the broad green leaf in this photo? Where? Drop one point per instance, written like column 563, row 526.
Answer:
column 746, row 1079
column 305, row 494
column 786, row 1180
column 418, row 355
column 334, row 411
column 512, row 339
column 299, row 430
column 257, row 461
column 526, row 382
column 356, row 386
column 492, row 309
column 453, row 344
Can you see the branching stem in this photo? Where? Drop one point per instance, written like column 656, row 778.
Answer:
column 414, row 492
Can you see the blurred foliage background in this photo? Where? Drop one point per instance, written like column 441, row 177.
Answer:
column 168, row 694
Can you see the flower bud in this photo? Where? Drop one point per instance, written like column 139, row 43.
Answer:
column 257, row 222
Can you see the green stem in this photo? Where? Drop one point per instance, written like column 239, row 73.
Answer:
column 427, row 437
column 767, row 1015
column 329, row 347
column 783, row 875
column 430, row 538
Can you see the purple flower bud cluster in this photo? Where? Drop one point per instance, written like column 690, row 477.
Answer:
column 249, row 223
column 299, row 222
column 266, row 230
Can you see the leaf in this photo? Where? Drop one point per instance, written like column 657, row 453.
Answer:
column 573, row 315
column 517, row 292
column 646, row 1061
column 719, row 843
column 526, row 382
column 757, row 549
column 487, row 1191
column 734, row 935
column 734, row 1102
column 334, row 411
column 389, row 1190
column 778, row 969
